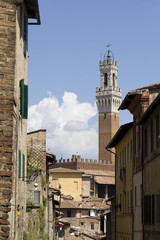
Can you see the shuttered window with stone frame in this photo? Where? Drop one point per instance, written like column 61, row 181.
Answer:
column 23, row 99
column 19, row 164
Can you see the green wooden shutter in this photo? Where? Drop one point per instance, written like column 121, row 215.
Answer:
column 23, row 99
column 25, row 36
column 19, row 165
column 23, row 166
column 25, row 107
column 21, row 96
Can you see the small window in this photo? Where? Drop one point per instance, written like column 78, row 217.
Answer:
column 68, row 213
column 92, row 226
column 114, row 79
column 105, row 80
column 82, row 223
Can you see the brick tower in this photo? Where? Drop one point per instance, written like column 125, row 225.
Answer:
column 108, row 99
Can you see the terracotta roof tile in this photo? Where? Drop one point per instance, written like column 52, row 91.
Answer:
column 99, row 173
column 104, row 180
column 65, row 170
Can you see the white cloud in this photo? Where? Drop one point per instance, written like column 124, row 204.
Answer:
column 68, row 130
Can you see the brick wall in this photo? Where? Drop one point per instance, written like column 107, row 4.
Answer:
column 7, row 106
column 85, row 165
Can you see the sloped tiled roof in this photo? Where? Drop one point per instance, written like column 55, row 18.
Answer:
column 65, row 170
column 151, row 86
column 88, row 204
column 99, row 173
column 104, row 180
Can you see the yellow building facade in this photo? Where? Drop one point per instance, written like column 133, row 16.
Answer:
column 123, row 143
column 69, row 181
column 150, row 122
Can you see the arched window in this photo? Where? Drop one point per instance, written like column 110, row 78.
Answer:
column 114, row 78
column 105, row 80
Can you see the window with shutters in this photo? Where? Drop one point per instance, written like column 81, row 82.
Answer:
column 19, row 164
column 23, row 99
column 23, row 173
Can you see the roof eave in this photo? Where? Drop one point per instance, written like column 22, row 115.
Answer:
column 33, row 11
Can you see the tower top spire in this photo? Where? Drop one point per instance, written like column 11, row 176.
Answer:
column 108, row 54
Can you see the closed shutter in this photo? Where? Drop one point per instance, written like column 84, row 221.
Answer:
column 19, row 163
column 21, row 96
column 23, row 166
column 25, row 36
column 25, row 113
column 23, row 99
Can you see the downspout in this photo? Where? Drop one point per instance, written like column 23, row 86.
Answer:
column 15, row 205
column 115, row 185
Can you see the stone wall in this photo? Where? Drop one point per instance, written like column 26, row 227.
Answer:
column 36, row 145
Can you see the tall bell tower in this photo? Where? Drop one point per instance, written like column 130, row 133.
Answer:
column 108, row 99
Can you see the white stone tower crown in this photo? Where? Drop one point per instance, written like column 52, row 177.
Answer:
column 108, row 96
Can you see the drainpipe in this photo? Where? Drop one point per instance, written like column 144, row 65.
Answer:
column 15, row 211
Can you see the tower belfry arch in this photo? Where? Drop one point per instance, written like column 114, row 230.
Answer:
column 108, row 100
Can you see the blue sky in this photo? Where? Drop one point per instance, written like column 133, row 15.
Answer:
column 64, row 53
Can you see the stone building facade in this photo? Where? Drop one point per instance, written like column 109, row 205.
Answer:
column 38, row 195
column 14, row 17
column 108, row 99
